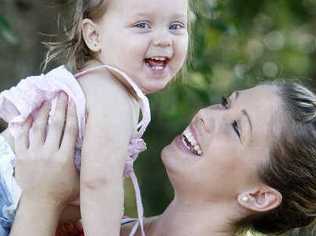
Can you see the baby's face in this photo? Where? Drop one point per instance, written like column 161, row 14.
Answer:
column 147, row 39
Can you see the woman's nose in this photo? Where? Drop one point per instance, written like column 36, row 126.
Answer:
column 207, row 118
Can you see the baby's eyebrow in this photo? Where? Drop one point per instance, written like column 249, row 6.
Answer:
column 180, row 15
column 147, row 14
column 142, row 14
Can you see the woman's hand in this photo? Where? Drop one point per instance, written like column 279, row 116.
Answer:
column 44, row 167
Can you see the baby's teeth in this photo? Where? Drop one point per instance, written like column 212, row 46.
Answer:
column 159, row 58
column 158, row 67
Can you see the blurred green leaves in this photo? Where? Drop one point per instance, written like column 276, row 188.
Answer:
column 6, row 33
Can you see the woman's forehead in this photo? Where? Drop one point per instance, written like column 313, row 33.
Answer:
column 262, row 105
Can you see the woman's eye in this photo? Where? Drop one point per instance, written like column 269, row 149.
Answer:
column 177, row 26
column 225, row 103
column 142, row 25
column 236, row 128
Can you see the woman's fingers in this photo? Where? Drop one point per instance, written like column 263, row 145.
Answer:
column 71, row 128
column 21, row 140
column 38, row 130
column 57, row 122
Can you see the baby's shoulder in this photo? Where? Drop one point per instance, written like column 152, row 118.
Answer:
column 102, row 84
column 106, row 93
column 102, row 87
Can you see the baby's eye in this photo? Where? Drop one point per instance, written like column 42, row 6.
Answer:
column 177, row 26
column 144, row 25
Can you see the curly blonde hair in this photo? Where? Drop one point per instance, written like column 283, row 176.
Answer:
column 73, row 47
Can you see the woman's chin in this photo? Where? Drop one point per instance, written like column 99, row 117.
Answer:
column 171, row 160
column 166, row 156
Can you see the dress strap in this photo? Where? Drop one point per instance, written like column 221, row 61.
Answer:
column 133, row 88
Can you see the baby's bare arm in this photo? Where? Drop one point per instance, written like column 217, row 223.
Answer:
column 108, row 131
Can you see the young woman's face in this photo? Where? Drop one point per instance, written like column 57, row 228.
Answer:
column 218, row 155
column 147, row 39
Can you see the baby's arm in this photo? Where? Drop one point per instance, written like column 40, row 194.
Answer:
column 105, row 149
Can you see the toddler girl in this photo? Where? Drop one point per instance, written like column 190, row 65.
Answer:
column 118, row 51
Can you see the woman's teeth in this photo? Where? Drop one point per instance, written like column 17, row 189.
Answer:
column 191, row 143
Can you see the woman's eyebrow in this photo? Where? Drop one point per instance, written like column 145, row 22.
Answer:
column 245, row 113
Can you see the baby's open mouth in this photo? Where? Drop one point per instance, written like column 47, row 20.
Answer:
column 190, row 142
column 157, row 63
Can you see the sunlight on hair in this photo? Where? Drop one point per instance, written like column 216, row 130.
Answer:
column 253, row 234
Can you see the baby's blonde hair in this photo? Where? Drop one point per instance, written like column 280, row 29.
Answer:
column 73, row 47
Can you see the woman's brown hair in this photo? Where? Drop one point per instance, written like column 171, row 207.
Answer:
column 291, row 168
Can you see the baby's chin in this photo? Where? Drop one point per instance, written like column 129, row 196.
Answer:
column 71, row 213
column 151, row 87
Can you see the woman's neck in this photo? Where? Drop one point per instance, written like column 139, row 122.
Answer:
column 185, row 219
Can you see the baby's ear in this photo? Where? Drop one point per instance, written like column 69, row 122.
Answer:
column 91, row 35
column 260, row 199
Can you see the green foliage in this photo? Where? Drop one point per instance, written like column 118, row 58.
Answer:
column 6, row 33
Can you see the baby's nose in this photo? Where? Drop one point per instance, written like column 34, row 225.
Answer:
column 162, row 39
column 162, row 43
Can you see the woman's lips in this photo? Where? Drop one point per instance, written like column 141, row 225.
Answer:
column 190, row 141
column 180, row 143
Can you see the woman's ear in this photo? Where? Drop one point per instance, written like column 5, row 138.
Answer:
column 260, row 199
column 91, row 35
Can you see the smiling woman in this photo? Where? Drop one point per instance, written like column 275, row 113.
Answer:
column 248, row 163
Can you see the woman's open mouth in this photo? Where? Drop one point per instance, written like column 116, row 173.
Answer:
column 191, row 143
column 157, row 63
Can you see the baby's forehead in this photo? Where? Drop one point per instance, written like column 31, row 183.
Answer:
column 150, row 7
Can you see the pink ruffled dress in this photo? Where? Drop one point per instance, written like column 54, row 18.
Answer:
column 18, row 103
